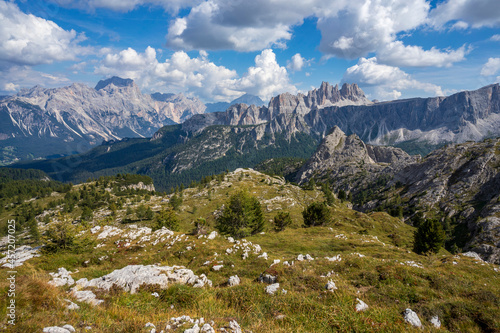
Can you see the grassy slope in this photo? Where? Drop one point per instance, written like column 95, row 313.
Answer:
column 465, row 295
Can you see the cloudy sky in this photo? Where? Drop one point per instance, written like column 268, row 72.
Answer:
column 219, row 49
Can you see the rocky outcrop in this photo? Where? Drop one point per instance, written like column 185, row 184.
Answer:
column 130, row 278
column 351, row 163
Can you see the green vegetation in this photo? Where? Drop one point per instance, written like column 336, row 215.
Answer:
column 281, row 221
column 374, row 264
column 429, row 237
column 166, row 218
column 316, row 214
column 241, row 217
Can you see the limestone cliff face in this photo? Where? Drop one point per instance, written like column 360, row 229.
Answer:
column 468, row 115
column 350, row 163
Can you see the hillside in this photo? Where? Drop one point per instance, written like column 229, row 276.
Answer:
column 458, row 184
column 356, row 273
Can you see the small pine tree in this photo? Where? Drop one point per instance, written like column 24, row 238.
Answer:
column 60, row 235
column 429, row 237
column 175, row 202
column 316, row 214
column 342, row 195
column 281, row 221
column 241, row 217
column 34, row 231
column 141, row 212
column 330, row 199
column 87, row 214
column 149, row 214
column 166, row 218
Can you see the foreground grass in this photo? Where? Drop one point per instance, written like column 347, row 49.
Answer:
column 376, row 266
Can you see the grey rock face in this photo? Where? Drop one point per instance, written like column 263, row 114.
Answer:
column 79, row 115
column 468, row 115
column 350, row 162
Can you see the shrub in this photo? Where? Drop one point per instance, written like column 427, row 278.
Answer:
column 429, row 237
column 281, row 221
column 166, row 218
column 316, row 214
column 242, row 216
column 60, row 235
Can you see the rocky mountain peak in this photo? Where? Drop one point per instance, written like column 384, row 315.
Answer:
column 116, row 81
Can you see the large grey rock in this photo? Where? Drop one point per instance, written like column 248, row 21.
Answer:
column 132, row 277
column 21, row 254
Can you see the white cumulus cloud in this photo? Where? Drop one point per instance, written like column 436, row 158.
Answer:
column 398, row 54
column 267, row 78
column 388, row 81
column 492, row 67
column 29, row 40
column 237, row 24
column 297, row 63
column 474, row 13
column 198, row 76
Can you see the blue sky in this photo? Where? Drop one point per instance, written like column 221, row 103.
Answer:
column 218, row 50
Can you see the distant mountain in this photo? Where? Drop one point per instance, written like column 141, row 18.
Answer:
column 40, row 122
column 247, row 99
column 417, row 124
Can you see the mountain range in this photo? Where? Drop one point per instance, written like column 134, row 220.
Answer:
column 39, row 122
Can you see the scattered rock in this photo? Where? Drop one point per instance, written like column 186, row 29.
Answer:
column 330, row 286
column 361, row 306
column 217, row 267
column 235, row 328
column 271, row 289
column 206, row 328
column 263, row 255
column 301, row 257
column 194, row 329
column 436, row 322
column 233, row 281
column 412, row 318
column 56, row 329
column 86, row 296
column 212, row 235
column 71, row 305
column 334, row 258
column 267, row 278
column 61, row 278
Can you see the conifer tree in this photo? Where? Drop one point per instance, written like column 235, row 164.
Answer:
column 429, row 237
